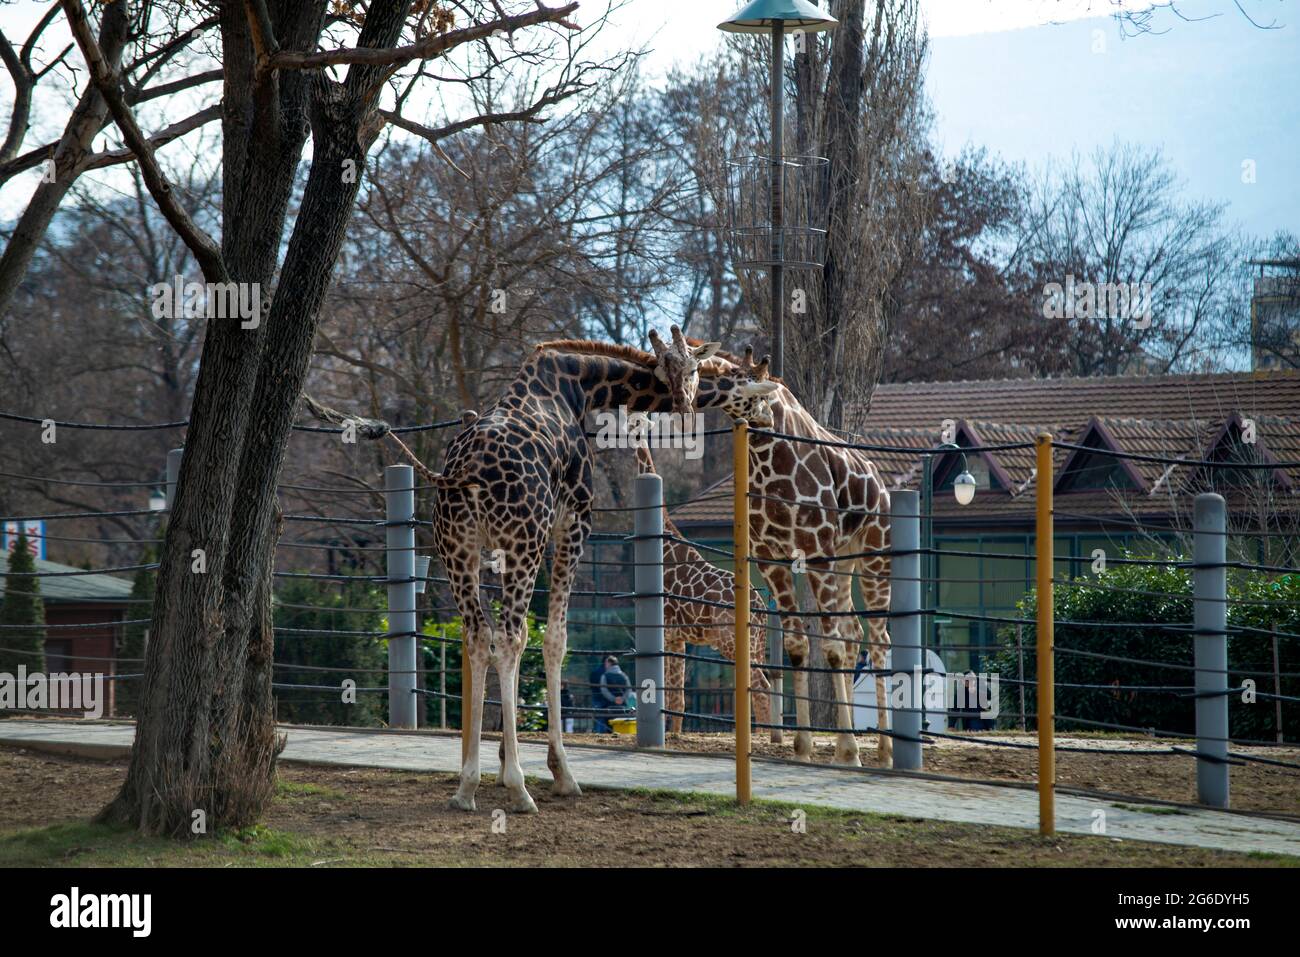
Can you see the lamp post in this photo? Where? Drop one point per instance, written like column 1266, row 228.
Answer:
column 774, row 17
column 963, row 490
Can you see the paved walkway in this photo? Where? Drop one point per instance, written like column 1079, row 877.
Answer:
column 801, row 784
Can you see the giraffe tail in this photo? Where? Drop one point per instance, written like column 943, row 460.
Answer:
column 645, row 464
column 461, row 478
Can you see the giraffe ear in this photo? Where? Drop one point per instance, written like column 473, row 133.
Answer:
column 704, row 351
column 751, row 389
column 661, row 375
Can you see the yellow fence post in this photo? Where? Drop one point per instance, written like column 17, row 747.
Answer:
column 1045, row 564
column 740, row 451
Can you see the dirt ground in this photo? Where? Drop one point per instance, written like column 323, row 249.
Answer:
column 337, row 817
column 1254, row 787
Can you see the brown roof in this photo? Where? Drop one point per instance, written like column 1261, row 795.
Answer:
column 1163, row 416
column 1070, row 402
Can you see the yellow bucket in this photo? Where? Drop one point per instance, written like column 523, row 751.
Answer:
column 623, row 725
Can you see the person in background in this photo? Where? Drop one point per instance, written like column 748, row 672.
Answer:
column 614, row 688
column 598, row 723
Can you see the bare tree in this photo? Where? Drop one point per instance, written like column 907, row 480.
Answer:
column 1143, row 279
column 290, row 69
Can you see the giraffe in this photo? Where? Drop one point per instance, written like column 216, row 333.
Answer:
column 809, row 502
column 688, row 574
column 521, row 473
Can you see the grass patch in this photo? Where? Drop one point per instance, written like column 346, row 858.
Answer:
column 303, row 789
column 102, row 845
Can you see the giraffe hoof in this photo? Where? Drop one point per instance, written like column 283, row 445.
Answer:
column 460, row 803
column 565, row 788
column 803, row 746
column 523, row 804
column 849, row 758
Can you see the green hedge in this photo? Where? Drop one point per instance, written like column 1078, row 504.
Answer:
column 1154, row 640
column 359, row 654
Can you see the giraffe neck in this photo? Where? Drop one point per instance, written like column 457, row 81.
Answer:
column 590, row 383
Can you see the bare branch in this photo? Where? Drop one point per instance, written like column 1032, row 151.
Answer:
column 159, row 139
column 206, row 252
column 426, row 49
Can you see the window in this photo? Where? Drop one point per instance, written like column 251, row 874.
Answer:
column 1095, row 471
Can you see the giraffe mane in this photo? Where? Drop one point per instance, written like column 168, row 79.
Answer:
column 709, row 368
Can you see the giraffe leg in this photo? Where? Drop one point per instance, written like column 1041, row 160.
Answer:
column 780, row 581
column 514, row 693
column 875, row 591
column 512, row 774
column 507, row 651
column 675, row 677
column 568, row 550
column 762, row 701
column 476, row 642
column 835, row 593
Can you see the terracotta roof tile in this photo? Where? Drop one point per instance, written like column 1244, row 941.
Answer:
column 1166, row 416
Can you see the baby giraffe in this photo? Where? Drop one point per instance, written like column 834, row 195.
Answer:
column 688, row 575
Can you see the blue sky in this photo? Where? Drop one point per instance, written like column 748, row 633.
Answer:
column 1002, row 74
column 1212, row 94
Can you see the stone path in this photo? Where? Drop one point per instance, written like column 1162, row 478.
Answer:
column 800, row 784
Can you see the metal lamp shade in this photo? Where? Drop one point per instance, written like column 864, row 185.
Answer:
column 762, row 15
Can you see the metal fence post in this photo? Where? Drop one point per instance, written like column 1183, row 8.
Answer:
column 648, row 582
column 1045, row 693
column 740, row 506
column 905, row 608
column 399, row 499
column 1210, row 582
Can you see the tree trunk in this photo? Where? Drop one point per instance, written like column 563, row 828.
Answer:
column 206, row 739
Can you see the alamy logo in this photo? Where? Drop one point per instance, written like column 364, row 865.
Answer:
column 212, row 300
column 59, row 692
column 656, row 430
column 1103, row 300
column 72, row 910
column 967, row 691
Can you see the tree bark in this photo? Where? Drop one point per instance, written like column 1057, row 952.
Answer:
column 206, row 736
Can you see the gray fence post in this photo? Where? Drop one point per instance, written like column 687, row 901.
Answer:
column 648, row 580
column 173, row 475
column 1209, row 551
column 905, row 600
column 399, row 499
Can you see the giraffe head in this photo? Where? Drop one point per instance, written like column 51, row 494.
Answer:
column 678, row 366
column 749, row 398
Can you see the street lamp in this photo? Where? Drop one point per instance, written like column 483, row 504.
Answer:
column 775, row 17
column 963, row 489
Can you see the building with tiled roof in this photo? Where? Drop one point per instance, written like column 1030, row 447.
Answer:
column 83, row 611
column 1102, row 500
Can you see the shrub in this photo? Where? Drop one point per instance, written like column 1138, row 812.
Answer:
column 1156, row 610
column 22, row 613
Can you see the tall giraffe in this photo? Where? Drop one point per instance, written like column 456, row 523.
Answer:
column 687, row 574
column 812, row 502
column 520, row 474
